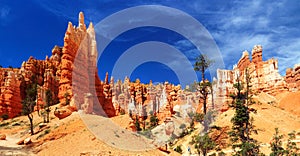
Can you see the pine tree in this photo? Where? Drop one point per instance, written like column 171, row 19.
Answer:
column 292, row 149
column 242, row 122
column 203, row 143
column 276, row 144
column 201, row 64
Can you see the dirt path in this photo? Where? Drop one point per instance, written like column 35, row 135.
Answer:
column 9, row 147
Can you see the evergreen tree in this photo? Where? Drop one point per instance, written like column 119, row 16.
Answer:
column 292, row 149
column 201, row 64
column 203, row 143
column 242, row 123
column 276, row 144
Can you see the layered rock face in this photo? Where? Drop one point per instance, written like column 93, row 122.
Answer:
column 15, row 82
column 264, row 76
column 292, row 77
column 10, row 98
column 70, row 73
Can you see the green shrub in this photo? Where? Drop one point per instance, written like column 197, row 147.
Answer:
column 182, row 126
column 178, row 149
column 4, row 116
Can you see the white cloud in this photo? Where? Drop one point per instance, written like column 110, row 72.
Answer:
column 271, row 24
column 4, row 13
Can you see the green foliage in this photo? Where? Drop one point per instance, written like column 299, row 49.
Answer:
column 153, row 121
column 122, row 112
column 199, row 117
column 4, row 124
column 203, row 143
column 201, row 64
column 67, row 98
column 178, row 149
column 147, row 133
column 29, row 102
column 182, row 126
column 221, row 153
column 4, row 116
column 138, row 125
column 276, row 144
column 247, row 148
column 292, row 148
column 242, row 122
column 47, row 131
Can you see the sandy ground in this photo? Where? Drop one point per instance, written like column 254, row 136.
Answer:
column 266, row 119
column 72, row 136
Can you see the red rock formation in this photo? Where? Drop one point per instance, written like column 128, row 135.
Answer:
column 292, row 78
column 257, row 54
column 71, row 69
column 264, row 76
column 10, row 100
column 244, row 61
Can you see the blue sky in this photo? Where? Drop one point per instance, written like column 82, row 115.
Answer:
column 33, row 28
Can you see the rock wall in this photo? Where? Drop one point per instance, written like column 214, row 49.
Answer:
column 264, row 76
column 292, row 77
column 10, row 99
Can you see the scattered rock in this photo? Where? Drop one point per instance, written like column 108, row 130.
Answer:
column 2, row 137
column 85, row 153
column 41, row 125
column 27, row 141
column 62, row 113
column 20, row 142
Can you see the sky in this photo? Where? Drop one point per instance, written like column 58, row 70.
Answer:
column 35, row 27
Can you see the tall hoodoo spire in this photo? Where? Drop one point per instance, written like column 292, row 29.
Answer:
column 81, row 24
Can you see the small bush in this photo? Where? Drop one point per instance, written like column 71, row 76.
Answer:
column 16, row 124
column 122, row 112
column 216, row 127
column 221, row 153
column 146, row 133
column 182, row 126
column 4, row 116
column 178, row 149
column 47, row 131
column 4, row 124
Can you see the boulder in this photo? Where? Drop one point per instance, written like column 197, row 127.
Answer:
column 2, row 137
column 20, row 142
column 62, row 112
column 27, row 141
